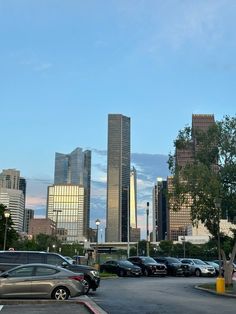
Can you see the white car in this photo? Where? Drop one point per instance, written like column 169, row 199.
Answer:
column 198, row 267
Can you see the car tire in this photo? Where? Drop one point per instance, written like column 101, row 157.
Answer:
column 121, row 273
column 87, row 285
column 198, row 273
column 60, row 293
column 145, row 272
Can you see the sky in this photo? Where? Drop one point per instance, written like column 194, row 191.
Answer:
column 65, row 65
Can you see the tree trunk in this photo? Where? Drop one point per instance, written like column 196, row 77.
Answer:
column 228, row 266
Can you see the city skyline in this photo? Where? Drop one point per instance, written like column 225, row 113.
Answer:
column 66, row 66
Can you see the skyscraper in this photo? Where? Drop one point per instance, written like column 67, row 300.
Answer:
column 159, row 202
column 118, row 178
column 12, row 195
column 134, row 235
column 178, row 221
column 72, row 178
column 133, row 198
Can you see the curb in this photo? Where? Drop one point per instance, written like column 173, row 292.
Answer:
column 83, row 300
column 230, row 295
column 91, row 305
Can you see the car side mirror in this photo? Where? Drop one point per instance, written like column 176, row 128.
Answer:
column 5, row 276
column 64, row 264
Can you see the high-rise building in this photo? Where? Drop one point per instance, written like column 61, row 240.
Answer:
column 65, row 206
column 29, row 214
column 134, row 235
column 118, row 178
column 12, row 195
column 133, row 198
column 72, row 175
column 178, row 221
column 10, row 179
column 159, row 201
column 14, row 201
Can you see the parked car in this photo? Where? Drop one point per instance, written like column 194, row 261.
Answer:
column 174, row 266
column 41, row 281
column 121, row 268
column 10, row 259
column 70, row 259
column 148, row 265
column 222, row 266
column 198, row 267
column 215, row 265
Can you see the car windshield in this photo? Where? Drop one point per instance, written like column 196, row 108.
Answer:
column 148, row 260
column 199, row 262
column 173, row 260
column 125, row 263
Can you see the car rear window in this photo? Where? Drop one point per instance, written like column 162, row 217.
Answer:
column 13, row 257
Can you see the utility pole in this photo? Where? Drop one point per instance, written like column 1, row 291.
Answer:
column 147, row 212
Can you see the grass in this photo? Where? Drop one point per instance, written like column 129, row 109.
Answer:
column 107, row 275
column 212, row 287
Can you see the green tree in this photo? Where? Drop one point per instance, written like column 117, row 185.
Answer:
column 12, row 235
column 209, row 176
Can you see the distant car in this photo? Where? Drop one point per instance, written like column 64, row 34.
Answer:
column 222, row 266
column 215, row 265
column 198, row 267
column 174, row 266
column 41, row 281
column 121, row 268
column 70, row 260
column 149, row 266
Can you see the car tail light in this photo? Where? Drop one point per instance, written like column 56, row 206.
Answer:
column 78, row 277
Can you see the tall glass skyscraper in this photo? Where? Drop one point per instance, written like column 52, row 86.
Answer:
column 72, row 170
column 118, row 178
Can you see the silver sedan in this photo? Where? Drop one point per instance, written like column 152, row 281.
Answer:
column 40, row 281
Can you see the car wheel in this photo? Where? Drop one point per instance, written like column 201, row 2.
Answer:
column 145, row 272
column 121, row 273
column 197, row 273
column 60, row 293
column 86, row 284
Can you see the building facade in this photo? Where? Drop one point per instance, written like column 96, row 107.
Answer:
column 118, row 178
column 65, row 206
column 13, row 195
column 41, row 225
column 177, row 222
column 15, row 202
column 75, row 169
column 159, row 203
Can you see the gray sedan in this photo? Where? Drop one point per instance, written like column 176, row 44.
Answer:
column 41, row 281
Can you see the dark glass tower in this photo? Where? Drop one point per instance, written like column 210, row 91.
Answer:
column 118, row 178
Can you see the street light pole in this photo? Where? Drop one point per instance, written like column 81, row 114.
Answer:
column 56, row 226
column 220, row 281
column 147, row 228
column 128, row 223
column 97, row 222
column 217, row 205
column 6, row 215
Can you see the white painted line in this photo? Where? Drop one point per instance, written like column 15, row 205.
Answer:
column 1, row 306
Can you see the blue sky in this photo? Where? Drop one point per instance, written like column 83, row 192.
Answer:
column 64, row 65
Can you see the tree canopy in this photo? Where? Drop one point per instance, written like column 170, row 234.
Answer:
column 209, row 175
column 12, row 235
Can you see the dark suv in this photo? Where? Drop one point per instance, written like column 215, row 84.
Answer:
column 148, row 265
column 10, row 259
column 174, row 266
